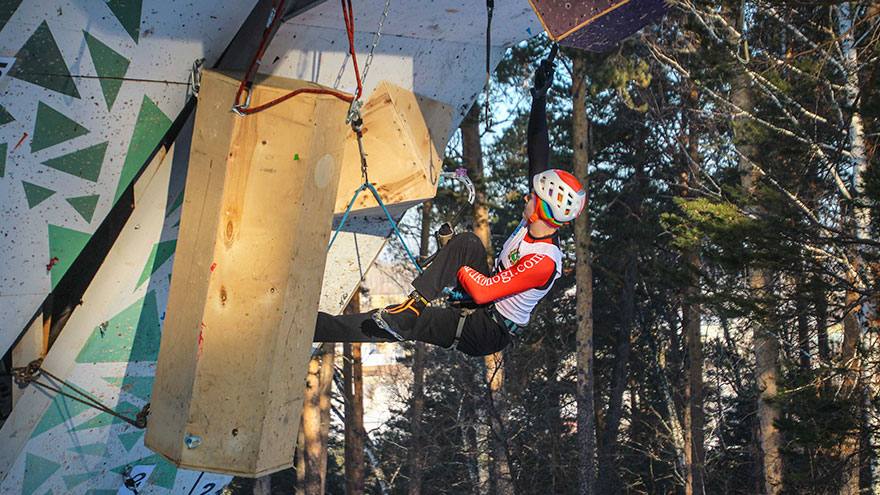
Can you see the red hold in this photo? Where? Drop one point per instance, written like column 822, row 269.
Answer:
column 52, row 263
column 213, row 265
column 23, row 137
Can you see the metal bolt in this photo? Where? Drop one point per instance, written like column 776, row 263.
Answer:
column 192, row 441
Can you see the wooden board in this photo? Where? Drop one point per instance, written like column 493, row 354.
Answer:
column 404, row 137
column 244, row 295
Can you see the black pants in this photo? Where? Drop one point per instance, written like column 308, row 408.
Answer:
column 481, row 334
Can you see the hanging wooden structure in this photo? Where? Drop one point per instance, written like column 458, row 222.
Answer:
column 247, row 277
column 405, row 136
column 596, row 25
column 260, row 197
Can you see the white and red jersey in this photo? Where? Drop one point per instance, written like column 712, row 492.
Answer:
column 525, row 270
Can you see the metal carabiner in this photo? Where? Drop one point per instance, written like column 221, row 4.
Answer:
column 460, row 175
column 237, row 109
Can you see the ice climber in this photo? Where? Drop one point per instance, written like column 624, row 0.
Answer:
column 490, row 306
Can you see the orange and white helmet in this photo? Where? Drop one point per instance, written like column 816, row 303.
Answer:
column 562, row 194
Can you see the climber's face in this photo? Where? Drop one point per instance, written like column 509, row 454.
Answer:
column 529, row 208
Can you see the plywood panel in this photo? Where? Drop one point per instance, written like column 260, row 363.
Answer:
column 244, row 295
column 404, row 137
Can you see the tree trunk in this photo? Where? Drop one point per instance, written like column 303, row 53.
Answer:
column 766, row 347
column 586, row 417
column 300, row 459
column 326, row 376
column 820, row 303
column 353, row 381
column 310, row 476
column 415, row 454
column 314, row 449
column 803, row 325
column 765, row 344
column 497, row 411
column 263, row 486
column 472, row 154
column 608, row 479
column 694, row 416
column 852, row 327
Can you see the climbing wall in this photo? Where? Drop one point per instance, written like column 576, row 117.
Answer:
column 108, row 348
column 92, row 88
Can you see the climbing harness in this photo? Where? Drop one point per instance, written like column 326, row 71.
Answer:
column 31, row 373
column 463, row 314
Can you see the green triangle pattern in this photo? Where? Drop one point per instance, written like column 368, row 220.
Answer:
column 7, row 8
column 2, row 159
column 35, row 194
column 73, row 480
column 93, row 449
column 131, row 335
column 85, row 205
column 40, row 62
column 53, row 127
column 129, row 14
column 163, row 475
column 59, row 411
column 36, row 471
column 129, row 440
column 110, row 66
column 160, row 254
column 138, row 386
column 5, row 116
column 64, row 244
column 175, row 205
column 85, row 163
column 149, row 129
column 105, row 419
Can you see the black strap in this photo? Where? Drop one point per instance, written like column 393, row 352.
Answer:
column 490, row 8
column 463, row 314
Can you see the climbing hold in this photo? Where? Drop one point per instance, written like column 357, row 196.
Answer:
column 192, row 441
column 51, row 263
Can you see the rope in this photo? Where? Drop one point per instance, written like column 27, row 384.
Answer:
column 372, row 189
column 348, row 16
column 106, row 78
column 246, row 85
column 30, row 374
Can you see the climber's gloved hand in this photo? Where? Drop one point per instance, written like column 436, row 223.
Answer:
column 454, row 295
column 544, row 74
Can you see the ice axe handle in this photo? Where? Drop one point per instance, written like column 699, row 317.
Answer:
column 444, row 234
